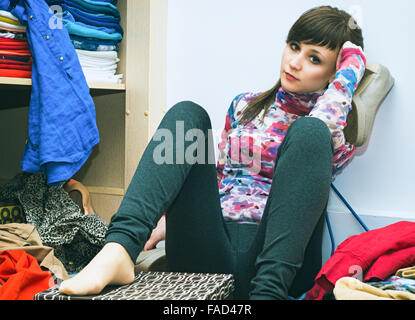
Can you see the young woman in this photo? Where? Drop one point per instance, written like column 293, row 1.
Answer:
column 263, row 221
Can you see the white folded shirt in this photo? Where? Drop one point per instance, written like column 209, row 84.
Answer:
column 98, row 54
column 12, row 26
column 92, row 63
column 8, row 14
column 99, row 66
column 8, row 35
column 105, row 68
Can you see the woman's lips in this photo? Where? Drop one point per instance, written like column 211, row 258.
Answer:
column 290, row 77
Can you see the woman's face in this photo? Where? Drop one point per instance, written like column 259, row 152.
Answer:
column 307, row 68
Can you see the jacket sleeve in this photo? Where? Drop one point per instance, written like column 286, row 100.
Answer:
column 223, row 144
column 336, row 102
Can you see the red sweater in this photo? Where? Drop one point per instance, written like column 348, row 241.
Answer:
column 21, row 276
column 372, row 255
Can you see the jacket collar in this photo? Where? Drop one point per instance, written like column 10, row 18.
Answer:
column 297, row 103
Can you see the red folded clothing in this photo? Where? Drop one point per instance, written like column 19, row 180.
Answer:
column 13, row 40
column 27, row 67
column 12, row 44
column 8, row 53
column 21, row 276
column 13, row 60
column 12, row 73
column 7, row 47
column 4, row 46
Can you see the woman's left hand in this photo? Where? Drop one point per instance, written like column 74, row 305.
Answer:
column 353, row 59
column 158, row 234
column 344, row 53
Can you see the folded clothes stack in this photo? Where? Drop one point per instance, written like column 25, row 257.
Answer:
column 15, row 55
column 95, row 31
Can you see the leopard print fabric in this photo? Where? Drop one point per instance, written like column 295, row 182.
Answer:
column 76, row 237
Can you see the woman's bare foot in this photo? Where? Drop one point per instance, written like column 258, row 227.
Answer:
column 112, row 265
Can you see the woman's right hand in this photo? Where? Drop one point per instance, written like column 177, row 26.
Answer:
column 158, row 234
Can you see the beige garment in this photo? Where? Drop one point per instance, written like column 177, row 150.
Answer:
column 348, row 288
column 151, row 260
column 22, row 236
column 406, row 272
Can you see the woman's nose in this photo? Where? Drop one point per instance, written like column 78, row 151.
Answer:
column 295, row 62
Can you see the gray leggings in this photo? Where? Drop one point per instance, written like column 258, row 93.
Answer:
column 280, row 257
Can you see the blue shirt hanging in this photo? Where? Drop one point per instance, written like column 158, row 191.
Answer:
column 62, row 121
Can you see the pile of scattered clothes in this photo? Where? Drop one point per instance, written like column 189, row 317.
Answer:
column 15, row 55
column 56, row 237
column 27, row 267
column 377, row 264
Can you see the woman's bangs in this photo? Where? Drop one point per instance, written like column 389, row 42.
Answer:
column 319, row 33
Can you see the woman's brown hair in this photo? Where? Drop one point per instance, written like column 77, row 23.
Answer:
column 323, row 26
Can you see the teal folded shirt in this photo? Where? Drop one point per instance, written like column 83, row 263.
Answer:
column 99, row 6
column 80, row 29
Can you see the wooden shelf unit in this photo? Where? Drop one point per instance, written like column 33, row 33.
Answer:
column 127, row 113
column 93, row 85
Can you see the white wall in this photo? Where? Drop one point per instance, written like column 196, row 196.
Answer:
column 219, row 48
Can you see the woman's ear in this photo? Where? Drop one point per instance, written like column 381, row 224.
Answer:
column 338, row 60
column 332, row 77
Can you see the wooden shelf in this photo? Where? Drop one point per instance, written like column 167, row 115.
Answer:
column 92, row 85
column 21, row 88
column 106, row 190
column 15, row 81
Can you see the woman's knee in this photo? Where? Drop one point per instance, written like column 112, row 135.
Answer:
column 310, row 132
column 190, row 111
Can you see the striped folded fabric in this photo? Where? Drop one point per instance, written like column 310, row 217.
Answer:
column 15, row 56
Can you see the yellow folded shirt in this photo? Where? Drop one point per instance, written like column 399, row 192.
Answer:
column 9, row 20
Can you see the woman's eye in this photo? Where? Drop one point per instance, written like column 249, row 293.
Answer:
column 315, row 60
column 294, row 46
